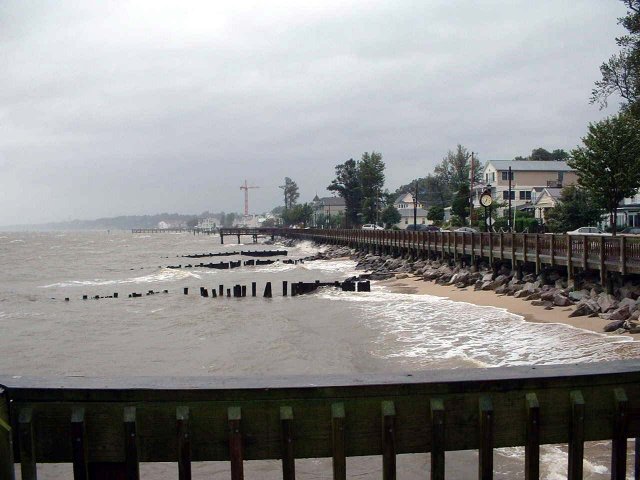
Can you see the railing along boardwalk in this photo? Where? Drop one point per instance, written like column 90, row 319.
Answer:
column 106, row 426
column 602, row 253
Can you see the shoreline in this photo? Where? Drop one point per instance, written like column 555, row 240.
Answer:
column 531, row 313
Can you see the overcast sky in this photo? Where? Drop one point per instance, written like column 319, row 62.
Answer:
column 113, row 108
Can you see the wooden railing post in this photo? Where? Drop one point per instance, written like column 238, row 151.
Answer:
column 538, row 253
column 569, row 258
column 27, row 444
column 388, row 441
column 485, row 450
column 532, row 446
column 184, row 443
column 437, row 439
column 552, row 249
column 7, row 469
column 288, row 459
column 576, row 436
column 619, row 441
column 338, row 435
column 236, row 454
column 603, row 270
column 79, row 447
column 623, row 255
column 585, row 253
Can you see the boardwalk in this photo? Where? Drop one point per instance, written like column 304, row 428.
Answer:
column 603, row 253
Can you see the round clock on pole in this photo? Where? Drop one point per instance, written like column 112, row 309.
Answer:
column 486, row 200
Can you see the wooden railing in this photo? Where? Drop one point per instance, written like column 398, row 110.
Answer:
column 605, row 253
column 112, row 424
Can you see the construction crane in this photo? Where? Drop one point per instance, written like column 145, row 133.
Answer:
column 246, row 188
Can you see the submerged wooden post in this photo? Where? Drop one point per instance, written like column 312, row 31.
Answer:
column 284, row 288
column 221, row 290
column 267, row 290
column 253, row 289
column 186, row 290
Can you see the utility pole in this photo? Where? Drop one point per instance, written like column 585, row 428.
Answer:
column 471, row 181
column 246, row 188
column 510, row 220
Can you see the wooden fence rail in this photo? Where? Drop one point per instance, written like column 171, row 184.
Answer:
column 600, row 253
column 112, row 424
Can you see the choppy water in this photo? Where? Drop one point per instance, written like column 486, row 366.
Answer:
column 329, row 332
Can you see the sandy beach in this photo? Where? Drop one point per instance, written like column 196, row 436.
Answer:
column 531, row 313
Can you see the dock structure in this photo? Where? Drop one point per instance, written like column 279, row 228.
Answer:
column 605, row 254
column 239, row 232
column 106, row 426
column 195, row 231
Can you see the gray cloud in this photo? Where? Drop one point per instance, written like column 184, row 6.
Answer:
column 111, row 108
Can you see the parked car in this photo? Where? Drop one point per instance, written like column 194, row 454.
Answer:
column 631, row 231
column 371, row 226
column 466, row 230
column 586, row 231
column 420, row 228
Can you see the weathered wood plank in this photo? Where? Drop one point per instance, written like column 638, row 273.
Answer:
column 288, row 454
column 576, row 436
column 532, row 445
column 27, row 444
column 184, row 443
column 437, row 439
column 388, row 441
column 338, row 441
column 79, row 444
column 236, row 455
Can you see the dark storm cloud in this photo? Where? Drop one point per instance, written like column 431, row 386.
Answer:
column 114, row 108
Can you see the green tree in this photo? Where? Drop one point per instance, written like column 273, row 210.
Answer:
column 371, row 169
column 229, row 219
column 390, row 216
column 299, row 214
column 192, row 222
column 455, row 168
column 575, row 209
column 269, row 222
column 544, row 155
column 621, row 73
column 460, row 204
column 435, row 214
column 291, row 194
column 347, row 185
column 608, row 163
column 431, row 190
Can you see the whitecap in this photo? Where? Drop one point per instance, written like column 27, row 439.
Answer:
column 164, row 275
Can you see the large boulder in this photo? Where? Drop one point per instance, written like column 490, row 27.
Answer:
column 607, row 302
column 585, row 307
column 561, row 301
column 628, row 302
column 621, row 313
column 613, row 326
column 548, row 294
column 578, row 295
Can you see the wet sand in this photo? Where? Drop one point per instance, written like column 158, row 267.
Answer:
column 518, row 306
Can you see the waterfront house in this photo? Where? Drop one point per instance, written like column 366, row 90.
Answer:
column 528, row 177
column 328, row 206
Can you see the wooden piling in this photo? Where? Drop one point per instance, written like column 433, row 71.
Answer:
column 244, row 290
column 186, row 290
column 284, row 288
column 221, row 290
column 253, row 289
column 214, row 294
column 204, row 292
column 267, row 290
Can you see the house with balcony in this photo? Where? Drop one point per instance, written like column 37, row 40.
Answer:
column 404, row 205
column 528, row 178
